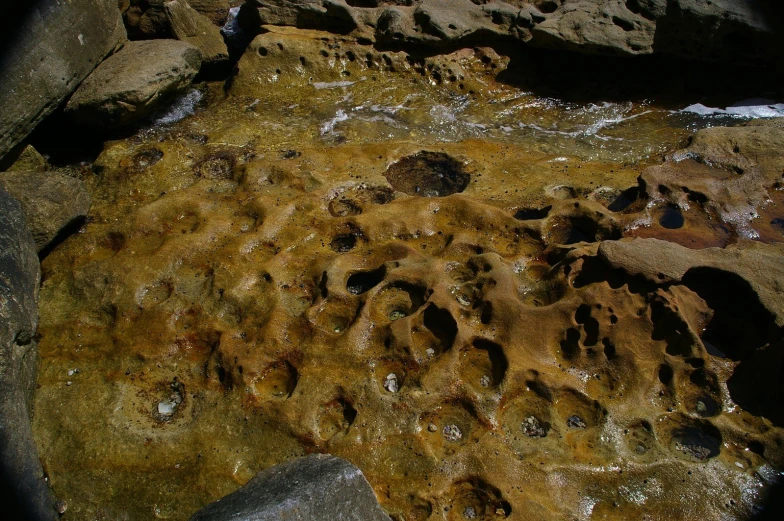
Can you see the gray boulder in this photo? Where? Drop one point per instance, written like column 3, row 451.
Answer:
column 23, row 490
column 50, row 202
column 188, row 25
column 51, row 48
column 133, row 83
column 313, row 488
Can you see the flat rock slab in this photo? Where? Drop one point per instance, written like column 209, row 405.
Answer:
column 23, row 490
column 53, row 46
column 135, row 82
column 50, row 201
column 315, row 487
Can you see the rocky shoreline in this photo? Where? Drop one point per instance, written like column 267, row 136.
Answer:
column 336, row 280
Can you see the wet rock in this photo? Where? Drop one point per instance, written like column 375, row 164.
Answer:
column 48, row 55
column 23, row 489
column 428, row 174
column 315, row 487
column 134, row 83
column 190, row 26
column 51, row 201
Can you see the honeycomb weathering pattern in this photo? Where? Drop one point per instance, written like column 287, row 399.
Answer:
column 231, row 304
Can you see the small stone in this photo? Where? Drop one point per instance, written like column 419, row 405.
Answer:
column 701, row 407
column 61, row 506
column 641, row 449
column 430, row 352
column 485, row 381
column 69, row 383
column 452, row 432
column 396, row 315
column 391, row 384
column 575, row 422
column 532, row 428
column 166, row 408
column 469, row 513
column 432, row 427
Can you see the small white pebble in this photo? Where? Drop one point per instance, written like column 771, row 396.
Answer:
column 391, row 384
column 430, row 351
column 485, row 381
column 739, row 464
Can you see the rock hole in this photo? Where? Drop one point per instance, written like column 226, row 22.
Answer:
column 665, row 374
column 740, row 323
column 570, row 345
column 671, row 218
column 263, row 51
column 590, row 324
column 363, row 281
column 441, row 323
column 343, row 243
column 609, row 348
column 626, row 25
column 428, row 174
column 529, row 214
column 624, row 200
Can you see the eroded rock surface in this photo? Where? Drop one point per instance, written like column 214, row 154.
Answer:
column 743, row 31
column 264, row 280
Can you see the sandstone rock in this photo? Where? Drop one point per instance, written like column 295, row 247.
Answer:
column 50, row 202
column 23, row 490
column 146, row 20
column 759, row 265
column 738, row 31
column 189, row 26
column 51, row 50
column 316, row 487
column 134, row 83
column 28, row 160
column 216, row 10
column 596, row 27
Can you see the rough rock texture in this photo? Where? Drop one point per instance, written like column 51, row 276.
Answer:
column 216, row 10
column 315, row 487
column 188, row 25
column 261, row 281
column 742, row 31
column 28, row 160
column 661, row 262
column 134, row 83
column 23, row 490
column 51, row 201
column 50, row 49
column 146, row 20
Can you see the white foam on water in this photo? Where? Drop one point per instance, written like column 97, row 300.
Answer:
column 182, row 107
column 321, row 85
column 329, row 126
column 232, row 27
column 747, row 109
